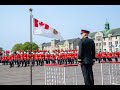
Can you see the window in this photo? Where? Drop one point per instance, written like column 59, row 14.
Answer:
column 99, row 44
column 96, row 44
column 104, row 43
column 98, row 38
column 109, row 38
column 110, row 50
column 116, row 37
column 104, row 38
column 110, row 43
column 116, row 49
column 116, row 42
column 96, row 50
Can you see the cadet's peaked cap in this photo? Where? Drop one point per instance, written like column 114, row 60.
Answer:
column 85, row 31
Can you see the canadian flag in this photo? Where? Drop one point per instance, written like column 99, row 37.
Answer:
column 43, row 29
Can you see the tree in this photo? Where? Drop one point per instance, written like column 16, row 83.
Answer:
column 26, row 46
column 1, row 49
column 35, row 46
column 17, row 47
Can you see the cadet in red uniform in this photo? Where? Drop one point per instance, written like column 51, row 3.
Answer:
column 104, row 56
column 1, row 56
column 116, row 52
column 58, row 58
column 47, row 58
column 11, row 60
column 76, row 58
column 52, row 58
column 98, row 57
column 33, row 59
column 15, row 59
column 25, row 59
column 22, row 59
column 116, row 56
column 7, row 57
column 109, row 56
column 72, row 58
column 42, row 59
column 39, row 59
column 65, row 58
column 3, row 60
column 61, row 58
column 28, row 59
column 36, row 59
column 68, row 58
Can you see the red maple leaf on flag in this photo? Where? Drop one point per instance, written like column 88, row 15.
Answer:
column 41, row 23
column 46, row 26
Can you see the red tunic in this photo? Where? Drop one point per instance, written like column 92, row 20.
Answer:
column 98, row 55
column 109, row 55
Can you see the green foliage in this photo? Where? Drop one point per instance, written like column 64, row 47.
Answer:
column 26, row 46
column 35, row 46
column 1, row 49
column 17, row 47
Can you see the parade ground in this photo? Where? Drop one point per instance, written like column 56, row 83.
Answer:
column 21, row 75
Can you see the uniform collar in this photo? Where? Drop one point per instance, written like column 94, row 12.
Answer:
column 85, row 37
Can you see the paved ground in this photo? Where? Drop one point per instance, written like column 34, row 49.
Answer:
column 21, row 75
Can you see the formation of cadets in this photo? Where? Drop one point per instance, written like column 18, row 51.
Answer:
column 107, row 56
column 39, row 58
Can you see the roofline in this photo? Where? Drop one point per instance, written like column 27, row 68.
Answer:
column 115, row 35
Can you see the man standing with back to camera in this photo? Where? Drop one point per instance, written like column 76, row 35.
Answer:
column 86, row 57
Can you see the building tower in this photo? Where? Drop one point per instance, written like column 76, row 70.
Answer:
column 107, row 26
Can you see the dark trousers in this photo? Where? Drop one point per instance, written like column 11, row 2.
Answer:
column 58, row 61
column 116, row 59
column 37, row 62
column 28, row 62
column 33, row 62
column 22, row 62
column 104, row 59
column 99, row 59
column 65, row 61
column 25, row 61
column 18, row 63
column 11, row 63
column 109, row 59
column 87, row 74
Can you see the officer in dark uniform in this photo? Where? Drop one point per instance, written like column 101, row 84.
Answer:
column 86, row 57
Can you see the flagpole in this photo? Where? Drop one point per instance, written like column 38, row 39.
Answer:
column 30, row 45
